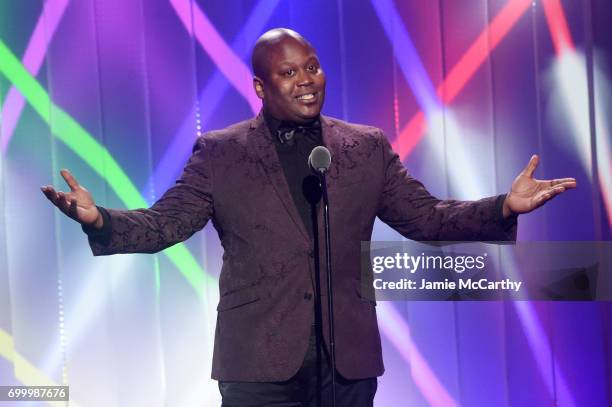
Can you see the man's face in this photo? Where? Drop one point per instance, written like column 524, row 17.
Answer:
column 293, row 88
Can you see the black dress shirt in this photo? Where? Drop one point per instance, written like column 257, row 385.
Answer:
column 294, row 143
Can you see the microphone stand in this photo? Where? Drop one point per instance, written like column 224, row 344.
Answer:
column 320, row 160
column 313, row 191
column 330, row 293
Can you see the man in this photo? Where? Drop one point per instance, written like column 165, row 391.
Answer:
column 248, row 179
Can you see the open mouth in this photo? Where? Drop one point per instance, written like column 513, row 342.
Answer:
column 308, row 97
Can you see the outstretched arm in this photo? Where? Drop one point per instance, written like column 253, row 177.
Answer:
column 181, row 211
column 407, row 206
column 528, row 193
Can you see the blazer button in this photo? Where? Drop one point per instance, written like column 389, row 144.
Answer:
column 307, row 296
column 311, row 254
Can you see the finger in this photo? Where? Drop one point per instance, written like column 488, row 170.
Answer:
column 565, row 182
column 60, row 200
column 47, row 189
column 63, row 203
column 560, row 180
column 70, row 180
column 531, row 165
column 548, row 195
column 568, row 184
column 50, row 193
column 73, row 207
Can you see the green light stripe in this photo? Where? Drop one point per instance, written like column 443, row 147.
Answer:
column 24, row 371
column 67, row 130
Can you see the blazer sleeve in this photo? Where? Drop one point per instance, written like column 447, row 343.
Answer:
column 183, row 210
column 411, row 210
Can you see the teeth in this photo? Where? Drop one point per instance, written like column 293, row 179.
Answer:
column 306, row 97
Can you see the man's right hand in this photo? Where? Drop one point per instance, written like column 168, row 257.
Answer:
column 77, row 204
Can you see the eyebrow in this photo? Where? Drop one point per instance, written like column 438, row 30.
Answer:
column 308, row 61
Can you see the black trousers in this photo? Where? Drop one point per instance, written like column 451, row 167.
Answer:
column 310, row 387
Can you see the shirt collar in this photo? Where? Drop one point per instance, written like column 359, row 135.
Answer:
column 273, row 123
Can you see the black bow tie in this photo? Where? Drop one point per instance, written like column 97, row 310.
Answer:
column 287, row 132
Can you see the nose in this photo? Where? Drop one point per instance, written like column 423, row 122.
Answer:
column 304, row 78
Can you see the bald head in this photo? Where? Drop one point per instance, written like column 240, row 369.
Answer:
column 270, row 42
column 288, row 77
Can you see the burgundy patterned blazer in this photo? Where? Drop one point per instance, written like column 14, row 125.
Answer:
column 265, row 311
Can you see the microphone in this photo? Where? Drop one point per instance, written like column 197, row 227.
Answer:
column 319, row 160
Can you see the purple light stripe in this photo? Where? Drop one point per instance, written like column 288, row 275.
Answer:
column 236, row 72
column 556, row 384
column 33, row 58
column 398, row 332
column 177, row 153
column 407, row 56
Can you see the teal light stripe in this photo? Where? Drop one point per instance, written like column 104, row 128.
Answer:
column 75, row 137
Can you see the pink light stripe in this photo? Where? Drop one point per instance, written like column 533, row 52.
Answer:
column 557, row 25
column 398, row 332
column 33, row 58
column 232, row 67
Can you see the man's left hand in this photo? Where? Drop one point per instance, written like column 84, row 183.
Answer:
column 528, row 193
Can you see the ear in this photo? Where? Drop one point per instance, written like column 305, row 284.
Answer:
column 258, row 86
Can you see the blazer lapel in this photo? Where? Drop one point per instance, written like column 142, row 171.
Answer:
column 260, row 141
column 333, row 142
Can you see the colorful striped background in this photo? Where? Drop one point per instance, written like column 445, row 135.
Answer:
column 466, row 90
